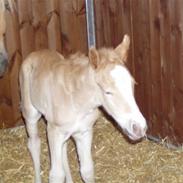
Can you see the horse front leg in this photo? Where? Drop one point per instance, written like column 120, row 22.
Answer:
column 83, row 143
column 66, row 165
column 56, row 141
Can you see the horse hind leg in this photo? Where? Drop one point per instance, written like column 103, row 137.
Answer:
column 34, row 141
column 31, row 116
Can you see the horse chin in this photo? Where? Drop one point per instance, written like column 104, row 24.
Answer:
column 135, row 138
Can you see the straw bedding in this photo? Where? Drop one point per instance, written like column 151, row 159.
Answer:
column 116, row 160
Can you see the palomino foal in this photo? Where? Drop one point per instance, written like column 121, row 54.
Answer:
column 68, row 92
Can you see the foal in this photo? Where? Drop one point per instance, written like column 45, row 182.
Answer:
column 68, row 92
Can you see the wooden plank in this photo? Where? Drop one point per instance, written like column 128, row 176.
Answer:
column 52, row 6
column 41, row 40
column 99, row 28
column 12, row 33
column 176, row 114
column 126, row 14
column 54, row 34
column 166, row 72
column 141, row 38
column 24, row 11
column 73, row 26
column 6, row 119
column 155, row 124
column 103, row 29
column 27, row 39
column 14, row 86
column 2, row 20
column 7, row 92
column 120, row 24
column 26, row 29
column 40, row 23
column 113, row 24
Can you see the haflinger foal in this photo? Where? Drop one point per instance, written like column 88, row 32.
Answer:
column 68, row 92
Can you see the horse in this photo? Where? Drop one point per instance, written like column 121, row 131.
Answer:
column 3, row 53
column 68, row 92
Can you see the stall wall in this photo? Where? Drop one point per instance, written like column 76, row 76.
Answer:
column 155, row 57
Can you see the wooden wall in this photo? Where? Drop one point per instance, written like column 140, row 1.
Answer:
column 33, row 25
column 9, row 92
column 155, row 59
column 156, row 56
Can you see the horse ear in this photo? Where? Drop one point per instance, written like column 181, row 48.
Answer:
column 93, row 57
column 122, row 49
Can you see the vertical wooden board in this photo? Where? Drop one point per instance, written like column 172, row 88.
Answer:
column 27, row 39
column 176, row 114
column 12, row 33
column 113, row 24
column 66, row 20
column 39, row 12
column 54, row 35
column 106, row 23
column 73, row 26
column 80, row 25
column 5, row 102
column 99, row 28
column 102, row 18
column 166, row 70
column 120, row 24
column 40, row 23
column 109, row 21
column 24, row 11
column 41, row 37
column 52, row 6
column 2, row 19
column 119, row 20
column 155, row 124
column 26, row 30
column 124, row 18
column 5, row 117
column 14, row 86
column 140, row 21
column 180, row 27
column 13, row 44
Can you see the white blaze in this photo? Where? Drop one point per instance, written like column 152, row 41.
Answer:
column 124, row 83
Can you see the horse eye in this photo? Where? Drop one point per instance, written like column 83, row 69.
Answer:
column 108, row 93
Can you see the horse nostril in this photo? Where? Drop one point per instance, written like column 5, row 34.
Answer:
column 137, row 130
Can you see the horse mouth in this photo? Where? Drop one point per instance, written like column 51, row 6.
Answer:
column 133, row 137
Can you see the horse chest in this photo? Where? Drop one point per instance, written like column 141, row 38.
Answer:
column 84, row 121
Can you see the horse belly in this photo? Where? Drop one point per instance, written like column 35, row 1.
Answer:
column 40, row 95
